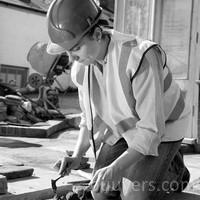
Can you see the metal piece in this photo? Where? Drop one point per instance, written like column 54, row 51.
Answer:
column 53, row 185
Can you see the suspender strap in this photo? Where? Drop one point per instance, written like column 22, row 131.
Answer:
column 91, row 132
column 125, row 80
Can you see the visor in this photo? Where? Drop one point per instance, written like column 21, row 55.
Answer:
column 54, row 49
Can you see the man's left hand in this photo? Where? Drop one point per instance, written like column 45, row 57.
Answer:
column 106, row 179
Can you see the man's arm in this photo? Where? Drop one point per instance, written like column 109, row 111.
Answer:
column 108, row 178
column 67, row 163
column 82, row 144
column 128, row 158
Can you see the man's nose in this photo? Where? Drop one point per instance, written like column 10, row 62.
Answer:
column 76, row 57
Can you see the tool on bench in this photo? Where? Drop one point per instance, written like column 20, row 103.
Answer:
column 53, row 183
column 82, row 194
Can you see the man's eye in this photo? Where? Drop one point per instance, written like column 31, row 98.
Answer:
column 76, row 48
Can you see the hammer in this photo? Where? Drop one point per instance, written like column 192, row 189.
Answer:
column 54, row 187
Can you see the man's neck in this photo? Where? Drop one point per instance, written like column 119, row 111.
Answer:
column 103, row 48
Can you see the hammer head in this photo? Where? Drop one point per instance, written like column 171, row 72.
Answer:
column 53, row 185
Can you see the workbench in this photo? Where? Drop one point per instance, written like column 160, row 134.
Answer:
column 44, row 130
column 38, row 187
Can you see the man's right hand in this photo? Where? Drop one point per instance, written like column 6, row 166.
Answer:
column 66, row 164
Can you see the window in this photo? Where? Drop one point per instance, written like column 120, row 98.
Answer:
column 175, row 31
column 16, row 76
column 135, row 17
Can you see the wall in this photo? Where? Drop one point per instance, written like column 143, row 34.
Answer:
column 19, row 30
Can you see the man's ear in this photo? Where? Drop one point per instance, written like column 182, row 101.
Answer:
column 97, row 34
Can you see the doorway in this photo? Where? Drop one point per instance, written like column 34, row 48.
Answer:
column 175, row 24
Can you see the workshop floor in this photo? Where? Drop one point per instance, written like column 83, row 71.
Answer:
column 42, row 153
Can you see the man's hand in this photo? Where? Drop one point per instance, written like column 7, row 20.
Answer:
column 106, row 179
column 66, row 164
column 109, row 178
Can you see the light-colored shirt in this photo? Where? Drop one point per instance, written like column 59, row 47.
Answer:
column 132, row 96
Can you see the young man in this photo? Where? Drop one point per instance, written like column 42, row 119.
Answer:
column 131, row 106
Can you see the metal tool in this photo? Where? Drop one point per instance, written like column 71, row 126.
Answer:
column 53, row 183
column 87, row 188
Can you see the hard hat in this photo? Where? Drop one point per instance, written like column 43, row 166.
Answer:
column 68, row 21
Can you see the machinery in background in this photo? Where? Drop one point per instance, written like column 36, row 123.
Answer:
column 17, row 108
column 48, row 96
column 48, row 68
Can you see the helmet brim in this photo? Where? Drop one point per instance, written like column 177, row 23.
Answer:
column 53, row 49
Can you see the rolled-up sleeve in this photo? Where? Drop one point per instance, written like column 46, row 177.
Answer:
column 148, row 91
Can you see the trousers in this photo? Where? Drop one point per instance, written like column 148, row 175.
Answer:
column 150, row 178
